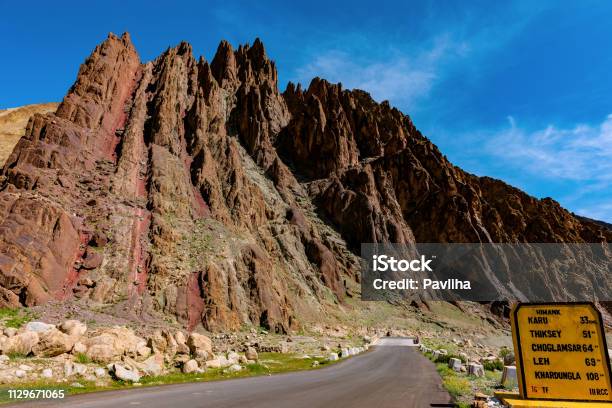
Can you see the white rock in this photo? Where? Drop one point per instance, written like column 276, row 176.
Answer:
column 190, row 366
column 509, row 379
column 39, row 327
column 20, row 373
column 233, row 357
column 68, row 368
column 100, row 372
column 332, row 357
column 79, row 369
column 4, row 358
column 235, row 368
column 125, row 374
column 344, row 353
column 47, row 373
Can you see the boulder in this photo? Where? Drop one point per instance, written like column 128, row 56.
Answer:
column 47, row 373
column 38, row 327
column 21, row 343
column 73, row 328
column 143, row 352
column 344, row 353
column 20, row 373
column 476, row 370
column 153, row 366
column 100, row 372
column 112, row 343
column 233, row 357
column 234, row 368
column 180, row 338
column 217, row 362
column 251, row 354
column 79, row 348
column 79, row 369
column 53, row 343
column 190, row 366
column 199, row 343
column 332, row 357
column 124, row 373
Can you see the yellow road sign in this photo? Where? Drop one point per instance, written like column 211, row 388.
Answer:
column 561, row 352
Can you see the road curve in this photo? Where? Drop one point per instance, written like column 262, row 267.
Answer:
column 390, row 375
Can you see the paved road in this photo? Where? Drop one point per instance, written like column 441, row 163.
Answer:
column 392, row 374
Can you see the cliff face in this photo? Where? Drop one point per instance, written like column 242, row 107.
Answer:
column 199, row 190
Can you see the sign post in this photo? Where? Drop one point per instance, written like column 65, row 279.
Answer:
column 561, row 353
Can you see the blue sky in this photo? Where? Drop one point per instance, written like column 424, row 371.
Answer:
column 520, row 91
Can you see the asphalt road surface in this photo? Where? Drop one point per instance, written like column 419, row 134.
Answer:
column 392, row 374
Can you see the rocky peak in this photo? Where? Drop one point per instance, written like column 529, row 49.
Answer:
column 198, row 191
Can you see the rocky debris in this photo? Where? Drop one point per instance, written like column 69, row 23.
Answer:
column 111, row 343
column 124, row 373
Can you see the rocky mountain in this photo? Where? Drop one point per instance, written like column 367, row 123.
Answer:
column 198, row 190
column 13, row 122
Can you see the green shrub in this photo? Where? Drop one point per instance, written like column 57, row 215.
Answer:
column 14, row 355
column 444, row 358
column 82, row 358
column 493, row 365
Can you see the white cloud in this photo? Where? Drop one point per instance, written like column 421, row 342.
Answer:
column 580, row 156
column 580, row 153
column 401, row 78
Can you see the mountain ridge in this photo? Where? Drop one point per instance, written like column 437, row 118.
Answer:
column 198, row 190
